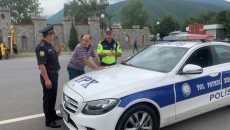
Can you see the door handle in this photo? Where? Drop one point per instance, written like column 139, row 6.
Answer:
column 214, row 73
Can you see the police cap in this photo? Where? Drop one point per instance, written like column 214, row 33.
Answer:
column 108, row 29
column 48, row 30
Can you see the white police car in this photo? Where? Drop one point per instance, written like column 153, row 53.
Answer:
column 164, row 84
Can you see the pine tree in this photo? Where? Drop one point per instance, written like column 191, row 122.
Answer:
column 73, row 38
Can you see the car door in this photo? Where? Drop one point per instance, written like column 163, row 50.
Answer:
column 223, row 61
column 193, row 90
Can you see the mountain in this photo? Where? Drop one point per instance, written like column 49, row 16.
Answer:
column 158, row 9
column 56, row 18
column 223, row 3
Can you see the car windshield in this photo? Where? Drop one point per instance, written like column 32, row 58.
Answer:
column 157, row 58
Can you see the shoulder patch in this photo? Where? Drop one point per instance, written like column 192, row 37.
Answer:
column 42, row 53
column 42, row 44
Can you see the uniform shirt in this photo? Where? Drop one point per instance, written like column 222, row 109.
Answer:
column 80, row 53
column 47, row 55
column 105, row 47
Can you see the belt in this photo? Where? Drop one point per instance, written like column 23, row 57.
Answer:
column 53, row 71
column 104, row 64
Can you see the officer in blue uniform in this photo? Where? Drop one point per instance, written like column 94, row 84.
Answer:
column 48, row 63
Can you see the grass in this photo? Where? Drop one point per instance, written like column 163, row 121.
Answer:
column 26, row 53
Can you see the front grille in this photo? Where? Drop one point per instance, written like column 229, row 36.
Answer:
column 70, row 104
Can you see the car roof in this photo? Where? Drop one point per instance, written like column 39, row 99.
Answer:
column 187, row 44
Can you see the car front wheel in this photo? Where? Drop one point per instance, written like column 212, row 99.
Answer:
column 138, row 117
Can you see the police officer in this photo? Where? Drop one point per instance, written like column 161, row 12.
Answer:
column 108, row 49
column 48, row 63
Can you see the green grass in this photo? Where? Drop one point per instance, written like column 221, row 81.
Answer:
column 26, row 53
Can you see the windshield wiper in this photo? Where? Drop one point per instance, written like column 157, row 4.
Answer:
column 125, row 63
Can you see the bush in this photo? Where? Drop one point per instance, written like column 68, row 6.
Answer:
column 73, row 38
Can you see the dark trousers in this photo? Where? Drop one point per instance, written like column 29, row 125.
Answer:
column 135, row 49
column 73, row 73
column 49, row 97
column 104, row 64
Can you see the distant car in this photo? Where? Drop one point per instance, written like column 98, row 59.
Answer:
column 159, row 86
column 216, row 40
column 227, row 40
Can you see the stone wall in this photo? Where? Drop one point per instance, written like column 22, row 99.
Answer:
column 67, row 23
column 39, row 24
column 59, row 33
column 94, row 26
column 30, row 31
column 5, row 22
column 82, row 29
column 26, row 30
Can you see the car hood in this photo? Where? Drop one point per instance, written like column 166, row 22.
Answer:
column 113, row 81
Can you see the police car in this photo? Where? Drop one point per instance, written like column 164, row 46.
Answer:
column 159, row 86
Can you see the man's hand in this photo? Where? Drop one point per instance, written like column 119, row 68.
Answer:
column 62, row 46
column 48, row 84
column 113, row 54
column 100, row 68
column 109, row 54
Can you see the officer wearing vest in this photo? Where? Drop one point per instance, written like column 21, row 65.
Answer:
column 48, row 63
column 108, row 49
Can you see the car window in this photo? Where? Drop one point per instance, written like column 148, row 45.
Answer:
column 201, row 57
column 223, row 54
column 158, row 58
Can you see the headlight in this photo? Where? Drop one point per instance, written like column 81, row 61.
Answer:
column 100, row 106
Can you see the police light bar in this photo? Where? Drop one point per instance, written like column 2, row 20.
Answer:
column 199, row 37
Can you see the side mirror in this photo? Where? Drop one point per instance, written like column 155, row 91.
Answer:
column 191, row 69
column 128, row 58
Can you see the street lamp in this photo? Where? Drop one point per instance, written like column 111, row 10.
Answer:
column 102, row 16
column 154, row 34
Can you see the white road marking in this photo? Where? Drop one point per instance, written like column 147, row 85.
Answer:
column 24, row 118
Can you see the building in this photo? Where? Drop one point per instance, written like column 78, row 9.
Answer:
column 216, row 29
column 177, row 33
column 117, row 25
column 27, row 36
column 196, row 29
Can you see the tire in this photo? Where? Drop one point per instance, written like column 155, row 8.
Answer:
column 135, row 114
column 0, row 54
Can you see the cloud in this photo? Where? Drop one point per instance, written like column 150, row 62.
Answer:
column 53, row 6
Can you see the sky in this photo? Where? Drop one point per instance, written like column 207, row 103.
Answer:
column 53, row 6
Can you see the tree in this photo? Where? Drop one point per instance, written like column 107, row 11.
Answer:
column 167, row 25
column 82, row 9
column 208, row 17
column 187, row 22
column 227, row 23
column 221, row 17
column 132, row 14
column 22, row 11
column 73, row 38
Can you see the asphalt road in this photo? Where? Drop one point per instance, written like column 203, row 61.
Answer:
column 21, row 96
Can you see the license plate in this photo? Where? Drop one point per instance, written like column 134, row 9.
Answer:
column 65, row 115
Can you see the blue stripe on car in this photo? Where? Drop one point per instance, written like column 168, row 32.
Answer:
column 163, row 96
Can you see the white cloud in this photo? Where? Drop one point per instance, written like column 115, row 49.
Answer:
column 53, row 6
column 227, row 0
